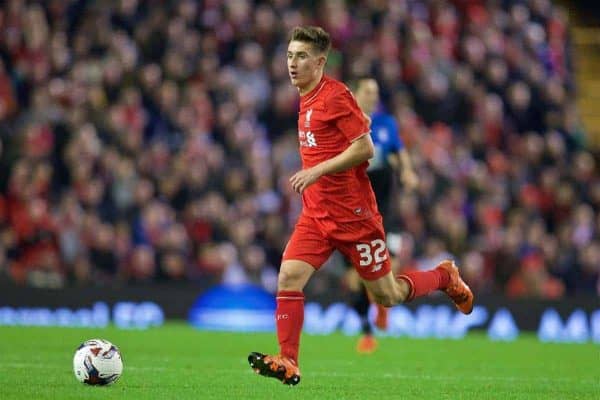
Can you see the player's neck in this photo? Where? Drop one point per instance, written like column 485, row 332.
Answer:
column 313, row 84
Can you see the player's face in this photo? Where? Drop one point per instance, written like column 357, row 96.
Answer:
column 367, row 95
column 304, row 65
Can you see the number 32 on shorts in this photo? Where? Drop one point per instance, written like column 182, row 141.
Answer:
column 374, row 251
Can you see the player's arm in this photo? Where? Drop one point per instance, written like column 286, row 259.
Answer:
column 400, row 159
column 402, row 164
column 359, row 151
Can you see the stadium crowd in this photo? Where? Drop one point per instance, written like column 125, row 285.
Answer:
column 152, row 140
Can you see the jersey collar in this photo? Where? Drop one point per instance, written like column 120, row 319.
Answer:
column 313, row 93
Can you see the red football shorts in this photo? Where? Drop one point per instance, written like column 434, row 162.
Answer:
column 363, row 242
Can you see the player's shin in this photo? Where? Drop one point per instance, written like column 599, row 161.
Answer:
column 289, row 318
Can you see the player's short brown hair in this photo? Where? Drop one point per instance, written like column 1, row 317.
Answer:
column 314, row 35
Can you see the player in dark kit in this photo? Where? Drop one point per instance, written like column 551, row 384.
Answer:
column 390, row 160
column 390, row 157
column 339, row 209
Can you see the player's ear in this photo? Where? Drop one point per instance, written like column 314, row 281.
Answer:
column 322, row 60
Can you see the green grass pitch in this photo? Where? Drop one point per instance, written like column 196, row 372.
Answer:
column 179, row 362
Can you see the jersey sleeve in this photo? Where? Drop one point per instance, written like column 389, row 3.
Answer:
column 343, row 110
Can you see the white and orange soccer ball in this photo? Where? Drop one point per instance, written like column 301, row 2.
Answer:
column 97, row 362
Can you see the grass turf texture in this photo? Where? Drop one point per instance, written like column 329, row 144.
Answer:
column 179, row 362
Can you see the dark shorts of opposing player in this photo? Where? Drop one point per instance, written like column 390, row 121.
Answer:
column 362, row 242
column 381, row 182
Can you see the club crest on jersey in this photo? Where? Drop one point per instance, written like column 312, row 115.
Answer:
column 307, row 119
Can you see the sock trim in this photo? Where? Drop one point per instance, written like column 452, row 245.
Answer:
column 289, row 295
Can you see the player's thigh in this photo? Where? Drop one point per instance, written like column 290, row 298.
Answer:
column 294, row 274
column 363, row 242
column 307, row 247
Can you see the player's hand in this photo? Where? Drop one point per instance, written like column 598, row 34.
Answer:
column 410, row 180
column 304, row 178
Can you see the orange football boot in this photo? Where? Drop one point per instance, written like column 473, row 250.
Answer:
column 367, row 344
column 278, row 367
column 457, row 289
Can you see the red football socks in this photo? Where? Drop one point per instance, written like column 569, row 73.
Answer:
column 424, row 282
column 289, row 317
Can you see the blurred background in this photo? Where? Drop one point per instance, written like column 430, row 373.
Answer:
column 151, row 142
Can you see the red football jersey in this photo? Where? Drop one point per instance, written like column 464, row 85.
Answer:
column 329, row 120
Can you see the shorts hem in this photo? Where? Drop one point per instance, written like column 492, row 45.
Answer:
column 373, row 277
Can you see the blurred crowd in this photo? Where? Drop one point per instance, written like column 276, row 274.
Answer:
column 147, row 140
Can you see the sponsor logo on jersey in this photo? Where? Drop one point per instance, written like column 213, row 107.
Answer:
column 310, row 139
column 307, row 139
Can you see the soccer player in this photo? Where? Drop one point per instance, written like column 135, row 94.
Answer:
column 339, row 208
column 390, row 159
column 390, row 156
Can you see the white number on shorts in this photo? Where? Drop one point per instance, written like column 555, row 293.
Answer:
column 379, row 250
column 364, row 251
column 376, row 248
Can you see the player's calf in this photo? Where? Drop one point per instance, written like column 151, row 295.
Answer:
column 388, row 291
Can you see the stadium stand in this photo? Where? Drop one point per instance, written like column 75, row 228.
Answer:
column 152, row 141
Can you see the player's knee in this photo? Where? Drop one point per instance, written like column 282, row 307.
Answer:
column 289, row 280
